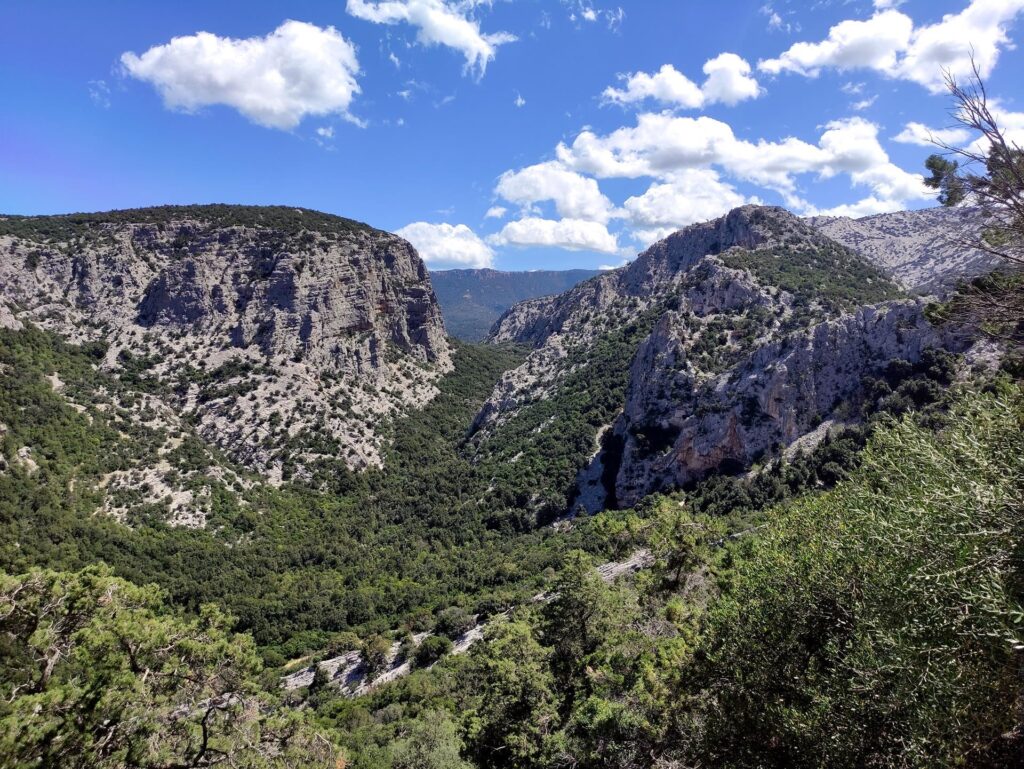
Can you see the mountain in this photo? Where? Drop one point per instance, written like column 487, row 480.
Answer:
column 472, row 300
column 722, row 344
column 924, row 251
column 283, row 335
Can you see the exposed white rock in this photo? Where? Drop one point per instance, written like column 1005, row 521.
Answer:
column 325, row 334
column 925, row 251
column 767, row 385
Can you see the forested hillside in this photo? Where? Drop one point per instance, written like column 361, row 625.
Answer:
column 818, row 479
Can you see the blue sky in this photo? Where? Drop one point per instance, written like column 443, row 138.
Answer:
column 519, row 134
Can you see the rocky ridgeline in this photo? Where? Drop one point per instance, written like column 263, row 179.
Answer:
column 759, row 328
column 924, row 251
column 283, row 335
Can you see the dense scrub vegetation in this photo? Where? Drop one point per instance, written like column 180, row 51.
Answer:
column 97, row 672
column 877, row 624
column 286, row 220
column 828, row 276
column 297, row 565
column 533, row 458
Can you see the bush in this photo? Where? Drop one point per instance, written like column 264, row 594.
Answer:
column 431, row 650
column 453, row 622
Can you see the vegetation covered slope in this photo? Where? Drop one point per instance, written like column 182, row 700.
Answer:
column 297, row 564
column 878, row 624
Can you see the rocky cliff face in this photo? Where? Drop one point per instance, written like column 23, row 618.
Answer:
column 756, row 328
column 677, row 426
column 924, row 251
column 284, row 334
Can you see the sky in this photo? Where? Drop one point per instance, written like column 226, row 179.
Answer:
column 515, row 134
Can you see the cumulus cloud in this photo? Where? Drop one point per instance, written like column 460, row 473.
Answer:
column 923, row 136
column 891, row 44
column 437, row 22
column 729, row 81
column 496, row 212
column 693, row 195
column 874, row 44
column 570, row 234
column 448, row 245
column 299, row 69
column 575, row 196
column 667, row 85
column 662, row 145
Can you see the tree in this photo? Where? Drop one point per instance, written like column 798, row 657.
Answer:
column 375, row 654
column 945, row 178
column 431, row 743
column 96, row 672
column 431, row 650
column 994, row 306
column 998, row 184
column 453, row 622
column 519, row 708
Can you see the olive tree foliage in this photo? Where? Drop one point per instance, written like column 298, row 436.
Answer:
column 881, row 624
column 97, row 672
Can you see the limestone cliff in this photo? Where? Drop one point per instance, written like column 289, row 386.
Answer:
column 283, row 334
column 755, row 328
column 924, row 251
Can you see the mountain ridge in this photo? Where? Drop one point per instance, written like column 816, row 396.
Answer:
column 714, row 380
column 254, row 321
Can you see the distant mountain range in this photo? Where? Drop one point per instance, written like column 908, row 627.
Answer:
column 472, row 300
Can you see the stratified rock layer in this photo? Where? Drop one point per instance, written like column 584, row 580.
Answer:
column 265, row 326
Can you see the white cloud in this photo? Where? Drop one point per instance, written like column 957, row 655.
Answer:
column 575, row 196
column 661, row 145
column 1010, row 123
column 873, row 43
column 981, row 28
column 326, row 132
column 584, row 10
column 437, row 23
column 693, row 195
column 866, row 207
column 923, row 136
column 775, row 21
column 99, row 93
column 520, row 101
column 448, row 245
column 890, row 44
column 496, row 212
column 299, row 69
column 728, row 81
column 667, row 85
column 863, row 104
column 570, row 234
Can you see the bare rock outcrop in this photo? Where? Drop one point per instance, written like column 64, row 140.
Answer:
column 265, row 326
column 925, row 251
column 758, row 326
column 676, row 429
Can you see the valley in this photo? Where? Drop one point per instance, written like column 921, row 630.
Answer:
column 259, row 409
